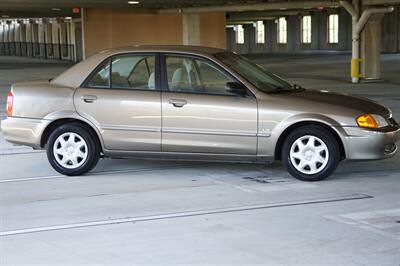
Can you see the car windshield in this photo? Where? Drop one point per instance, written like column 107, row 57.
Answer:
column 255, row 74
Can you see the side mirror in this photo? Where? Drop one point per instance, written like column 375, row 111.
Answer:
column 236, row 88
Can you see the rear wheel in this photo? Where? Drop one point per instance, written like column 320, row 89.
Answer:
column 311, row 153
column 72, row 149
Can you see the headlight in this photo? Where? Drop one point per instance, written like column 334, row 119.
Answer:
column 371, row 121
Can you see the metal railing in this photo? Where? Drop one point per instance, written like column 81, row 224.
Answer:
column 38, row 50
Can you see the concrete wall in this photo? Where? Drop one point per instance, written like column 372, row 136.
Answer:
column 212, row 29
column 108, row 28
column 390, row 34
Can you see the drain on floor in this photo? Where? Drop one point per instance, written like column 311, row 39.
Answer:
column 266, row 179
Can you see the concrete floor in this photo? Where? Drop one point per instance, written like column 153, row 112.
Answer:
column 156, row 212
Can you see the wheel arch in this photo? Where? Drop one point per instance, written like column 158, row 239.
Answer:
column 291, row 128
column 58, row 122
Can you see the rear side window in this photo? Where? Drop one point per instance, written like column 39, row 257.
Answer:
column 102, row 78
column 133, row 72
column 126, row 72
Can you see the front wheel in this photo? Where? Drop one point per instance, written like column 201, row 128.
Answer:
column 311, row 153
column 72, row 149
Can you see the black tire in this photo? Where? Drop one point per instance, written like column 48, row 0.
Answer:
column 93, row 149
column 332, row 147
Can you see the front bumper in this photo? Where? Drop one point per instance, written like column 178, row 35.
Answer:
column 24, row 131
column 364, row 144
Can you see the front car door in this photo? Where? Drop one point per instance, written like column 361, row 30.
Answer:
column 123, row 100
column 199, row 115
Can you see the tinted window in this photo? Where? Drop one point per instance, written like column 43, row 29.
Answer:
column 133, row 72
column 102, row 77
column 186, row 74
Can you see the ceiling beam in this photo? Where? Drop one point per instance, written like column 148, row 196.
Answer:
column 256, row 7
column 380, row 2
column 261, row 15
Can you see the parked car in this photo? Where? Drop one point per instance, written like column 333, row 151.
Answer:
column 192, row 103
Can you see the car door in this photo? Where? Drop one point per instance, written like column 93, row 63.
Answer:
column 200, row 115
column 122, row 99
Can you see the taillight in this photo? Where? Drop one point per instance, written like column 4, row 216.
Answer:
column 9, row 106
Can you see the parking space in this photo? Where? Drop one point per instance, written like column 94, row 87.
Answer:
column 175, row 212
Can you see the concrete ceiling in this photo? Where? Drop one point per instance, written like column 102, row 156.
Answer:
column 55, row 8
column 61, row 8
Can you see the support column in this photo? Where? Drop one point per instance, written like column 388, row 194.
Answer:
column 41, row 38
column 371, row 48
column 7, row 38
column 28, row 38
column 1, row 38
column 358, row 25
column 48, row 28
column 12, row 36
column 63, row 40
column 18, row 37
column 191, row 29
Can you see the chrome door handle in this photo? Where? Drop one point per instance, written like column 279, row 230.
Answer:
column 89, row 98
column 178, row 102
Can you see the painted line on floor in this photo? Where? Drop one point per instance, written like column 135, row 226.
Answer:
column 182, row 214
column 100, row 173
column 20, row 152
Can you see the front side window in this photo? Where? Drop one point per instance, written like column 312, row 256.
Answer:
column 192, row 75
column 306, row 29
column 239, row 34
column 282, row 30
column 260, row 32
column 333, row 28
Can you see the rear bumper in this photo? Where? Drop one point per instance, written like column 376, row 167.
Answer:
column 364, row 144
column 24, row 131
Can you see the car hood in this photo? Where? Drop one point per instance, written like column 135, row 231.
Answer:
column 340, row 100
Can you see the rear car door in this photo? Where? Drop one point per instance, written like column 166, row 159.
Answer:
column 199, row 114
column 123, row 100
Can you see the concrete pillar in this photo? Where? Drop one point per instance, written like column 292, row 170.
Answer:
column 29, row 38
column 28, row 32
column 7, row 38
column 42, row 38
column 34, row 32
column 48, row 39
column 1, row 38
column 271, row 36
column 63, row 39
column 371, row 48
column 191, row 29
column 17, row 37
column 293, row 30
column 41, row 32
column 76, row 46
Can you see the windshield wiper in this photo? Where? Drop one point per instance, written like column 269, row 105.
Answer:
column 280, row 90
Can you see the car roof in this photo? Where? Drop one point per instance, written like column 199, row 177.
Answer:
column 76, row 75
column 165, row 48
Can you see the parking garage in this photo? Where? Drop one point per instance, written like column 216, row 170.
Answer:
column 142, row 212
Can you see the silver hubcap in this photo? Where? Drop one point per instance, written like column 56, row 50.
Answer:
column 70, row 150
column 309, row 155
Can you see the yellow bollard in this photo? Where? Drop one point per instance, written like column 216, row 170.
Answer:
column 355, row 68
